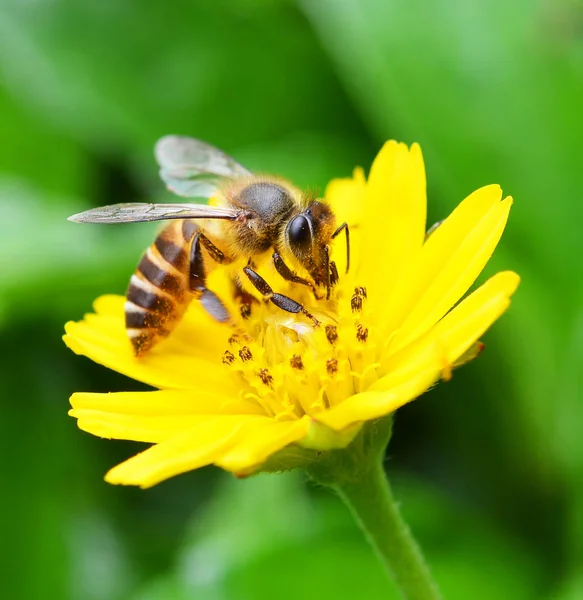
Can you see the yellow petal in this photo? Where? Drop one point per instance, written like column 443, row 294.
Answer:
column 148, row 428
column 394, row 219
column 151, row 416
column 189, row 359
column 470, row 320
column 448, row 264
column 415, row 369
column 373, row 404
column 164, row 402
column 194, row 448
column 459, row 329
column 346, row 198
column 264, row 438
column 469, row 355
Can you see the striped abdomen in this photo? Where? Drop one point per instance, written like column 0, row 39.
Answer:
column 159, row 294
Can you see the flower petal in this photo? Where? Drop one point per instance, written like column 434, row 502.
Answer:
column 448, row 264
column 149, row 428
column 196, row 447
column 195, row 346
column 260, row 441
column 373, row 404
column 164, row 402
column 151, row 416
column 346, row 198
column 460, row 328
column 394, row 218
column 417, row 368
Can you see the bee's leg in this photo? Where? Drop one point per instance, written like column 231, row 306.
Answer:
column 244, row 298
column 279, row 300
column 217, row 255
column 344, row 227
column 333, row 273
column 289, row 275
column 209, row 300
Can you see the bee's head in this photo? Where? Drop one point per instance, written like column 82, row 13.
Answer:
column 307, row 235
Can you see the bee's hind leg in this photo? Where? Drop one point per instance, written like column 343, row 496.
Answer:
column 281, row 301
column 197, row 279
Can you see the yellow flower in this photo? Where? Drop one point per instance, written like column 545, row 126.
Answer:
column 278, row 386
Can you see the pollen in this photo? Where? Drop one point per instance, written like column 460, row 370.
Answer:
column 332, row 366
column 332, row 333
column 296, row 362
column 292, row 368
column 228, row 358
column 265, row 377
column 358, row 298
column 245, row 354
column 361, row 333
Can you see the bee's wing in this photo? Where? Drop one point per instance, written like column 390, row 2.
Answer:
column 193, row 168
column 139, row 212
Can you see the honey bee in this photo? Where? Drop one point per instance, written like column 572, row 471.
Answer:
column 252, row 216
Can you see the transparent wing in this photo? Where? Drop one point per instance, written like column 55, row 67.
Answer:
column 138, row 212
column 193, row 168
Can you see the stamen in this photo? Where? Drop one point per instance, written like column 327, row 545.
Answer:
column 332, row 366
column 265, row 377
column 361, row 333
column 228, row 358
column 296, row 362
column 358, row 299
column 245, row 354
column 331, row 333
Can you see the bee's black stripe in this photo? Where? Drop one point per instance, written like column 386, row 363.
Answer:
column 143, row 339
column 150, row 300
column 159, row 278
column 171, row 253
column 138, row 319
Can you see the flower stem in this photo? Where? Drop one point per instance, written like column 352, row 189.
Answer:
column 371, row 501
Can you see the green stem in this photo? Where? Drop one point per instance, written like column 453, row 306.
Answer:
column 371, row 501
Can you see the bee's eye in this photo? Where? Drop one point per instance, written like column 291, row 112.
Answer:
column 299, row 234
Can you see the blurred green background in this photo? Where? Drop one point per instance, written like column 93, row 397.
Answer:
column 488, row 467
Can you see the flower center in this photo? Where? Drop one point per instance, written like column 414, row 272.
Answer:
column 292, row 368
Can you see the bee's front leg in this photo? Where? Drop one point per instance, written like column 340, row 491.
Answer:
column 281, row 301
column 289, row 275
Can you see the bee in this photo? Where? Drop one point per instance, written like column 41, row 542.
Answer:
column 252, row 217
